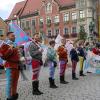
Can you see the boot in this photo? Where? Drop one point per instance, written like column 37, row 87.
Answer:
column 81, row 73
column 74, row 76
column 35, row 85
column 14, row 97
column 52, row 83
column 38, row 88
column 62, row 80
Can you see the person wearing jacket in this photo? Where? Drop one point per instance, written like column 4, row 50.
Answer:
column 74, row 60
column 11, row 56
column 35, row 51
column 82, row 57
column 52, row 63
column 63, row 59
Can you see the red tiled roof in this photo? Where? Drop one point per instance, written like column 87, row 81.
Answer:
column 17, row 8
column 30, row 6
column 66, row 2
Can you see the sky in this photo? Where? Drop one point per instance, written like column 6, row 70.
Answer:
column 6, row 7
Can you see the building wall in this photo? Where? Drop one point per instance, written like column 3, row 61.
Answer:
column 43, row 14
column 88, row 6
column 3, row 27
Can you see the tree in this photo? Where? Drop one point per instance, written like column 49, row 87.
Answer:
column 82, row 34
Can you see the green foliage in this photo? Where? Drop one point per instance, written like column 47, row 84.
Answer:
column 82, row 34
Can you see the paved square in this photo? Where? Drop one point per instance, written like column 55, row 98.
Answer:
column 86, row 88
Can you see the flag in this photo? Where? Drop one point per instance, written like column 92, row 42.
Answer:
column 92, row 63
column 21, row 36
column 58, row 41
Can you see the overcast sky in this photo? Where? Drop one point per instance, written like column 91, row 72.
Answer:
column 6, row 7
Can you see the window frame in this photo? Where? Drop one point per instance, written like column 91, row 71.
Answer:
column 32, row 22
column 81, row 14
column 74, row 15
column 48, row 32
column 48, row 5
column 67, row 17
column 67, row 31
column 2, row 31
column 55, row 31
column 75, row 30
column 56, row 20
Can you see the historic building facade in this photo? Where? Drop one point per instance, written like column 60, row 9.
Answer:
column 3, row 27
column 54, row 16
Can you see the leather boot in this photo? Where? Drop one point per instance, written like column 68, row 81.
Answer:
column 62, row 80
column 35, row 85
column 74, row 76
column 52, row 83
column 81, row 73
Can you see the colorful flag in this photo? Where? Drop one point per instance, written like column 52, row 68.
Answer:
column 21, row 36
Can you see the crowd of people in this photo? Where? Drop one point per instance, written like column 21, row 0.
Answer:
column 15, row 58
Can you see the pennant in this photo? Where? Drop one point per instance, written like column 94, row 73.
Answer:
column 21, row 36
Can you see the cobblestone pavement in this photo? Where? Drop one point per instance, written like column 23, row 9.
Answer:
column 86, row 88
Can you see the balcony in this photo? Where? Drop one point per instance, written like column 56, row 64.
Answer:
column 74, row 21
column 73, row 35
column 66, row 22
column 26, row 28
column 56, row 23
column 66, row 35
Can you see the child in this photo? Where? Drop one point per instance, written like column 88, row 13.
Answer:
column 52, row 63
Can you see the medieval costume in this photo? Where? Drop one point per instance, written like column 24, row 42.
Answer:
column 11, row 56
column 36, row 54
column 52, row 63
column 82, row 57
column 74, row 59
column 62, row 53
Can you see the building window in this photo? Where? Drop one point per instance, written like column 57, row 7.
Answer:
column 74, row 30
column 56, row 19
column 33, row 22
column 41, row 20
column 74, row 16
column 82, row 14
column 27, row 24
column 23, row 24
column 49, row 8
column 1, row 32
column 48, row 19
column 82, row 3
column 66, row 17
column 49, row 33
column 57, row 31
column 66, row 31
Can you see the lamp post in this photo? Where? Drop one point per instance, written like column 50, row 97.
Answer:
column 18, row 20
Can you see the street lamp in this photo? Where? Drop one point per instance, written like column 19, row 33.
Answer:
column 17, row 18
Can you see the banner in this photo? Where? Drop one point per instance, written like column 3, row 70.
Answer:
column 92, row 63
column 21, row 36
